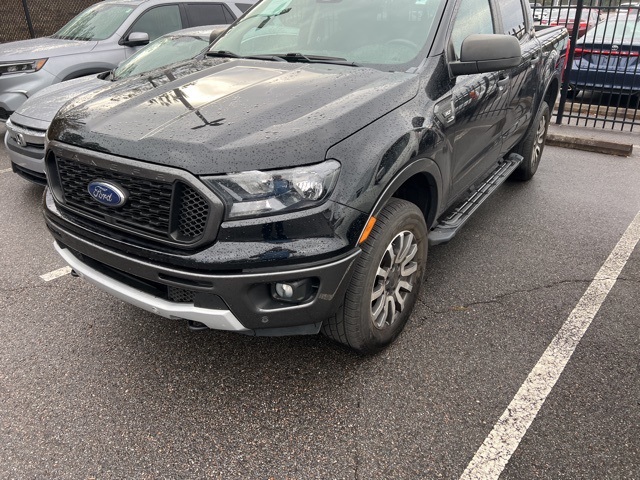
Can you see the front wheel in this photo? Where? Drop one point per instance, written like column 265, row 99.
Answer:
column 532, row 145
column 386, row 280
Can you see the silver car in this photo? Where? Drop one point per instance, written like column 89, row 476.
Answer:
column 98, row 39
column 27, row 126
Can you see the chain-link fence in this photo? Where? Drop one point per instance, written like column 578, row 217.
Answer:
column 23, row 19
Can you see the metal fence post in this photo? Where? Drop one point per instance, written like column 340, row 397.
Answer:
column 567, row 68
column 27, row 16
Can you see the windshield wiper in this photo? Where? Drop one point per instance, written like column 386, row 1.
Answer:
column 285, row 57
column 272, row 58
column 227, row 54
column 301, row 58
column 222, row 53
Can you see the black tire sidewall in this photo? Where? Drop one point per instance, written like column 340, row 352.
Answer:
column 527, row 170
column 396, row 217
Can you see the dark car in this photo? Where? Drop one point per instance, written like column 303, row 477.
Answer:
column 607, row 58
column 291, row 182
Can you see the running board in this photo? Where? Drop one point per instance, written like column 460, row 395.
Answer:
column 447, row 228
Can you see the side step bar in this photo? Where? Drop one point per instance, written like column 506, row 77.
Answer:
column 447, row 228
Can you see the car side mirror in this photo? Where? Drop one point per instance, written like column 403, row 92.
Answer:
column 137, row 39
column 481, row 53
column 215, row 33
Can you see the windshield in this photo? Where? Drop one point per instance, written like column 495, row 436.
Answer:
column 386, row 33
column 163, row 51
column 95, row 23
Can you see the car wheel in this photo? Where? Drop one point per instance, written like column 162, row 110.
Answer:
column 385, row 282
column 532, row 145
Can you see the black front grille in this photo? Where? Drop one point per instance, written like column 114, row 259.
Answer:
column 180, row 295
column 172, row 211
column 193, row 211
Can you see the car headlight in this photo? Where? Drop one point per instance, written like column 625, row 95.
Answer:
column 28, row 66
column 256, row 193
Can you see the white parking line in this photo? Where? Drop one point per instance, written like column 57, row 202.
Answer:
column 6, row 170
column 494, row 454
column 61, row 272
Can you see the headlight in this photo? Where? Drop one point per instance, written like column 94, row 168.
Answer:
column 22, row 67
column 256, row 193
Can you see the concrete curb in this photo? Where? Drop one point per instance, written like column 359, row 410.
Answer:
column 590, row 144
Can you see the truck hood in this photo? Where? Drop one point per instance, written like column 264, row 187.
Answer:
column 236, row 115
column 39, row 109
column 45, row 47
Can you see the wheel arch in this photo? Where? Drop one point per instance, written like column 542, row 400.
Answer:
column 551, row 93
column 419, row 183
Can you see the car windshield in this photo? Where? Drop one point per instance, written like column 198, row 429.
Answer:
column 387, row 34
column 163, row 51
column 615, row 32
column 95, row 23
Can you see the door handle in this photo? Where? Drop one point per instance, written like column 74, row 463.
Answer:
column 503, row 82
column 535, row 58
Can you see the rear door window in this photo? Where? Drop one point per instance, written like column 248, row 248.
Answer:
column 199, row 14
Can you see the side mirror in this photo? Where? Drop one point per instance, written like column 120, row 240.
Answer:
column 215, row 33
column 482, row 53
column 137, row 39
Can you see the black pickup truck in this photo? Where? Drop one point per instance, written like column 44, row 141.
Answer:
column 291, row 181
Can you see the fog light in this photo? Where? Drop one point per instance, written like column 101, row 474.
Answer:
column 293, row 292
column 284, row 290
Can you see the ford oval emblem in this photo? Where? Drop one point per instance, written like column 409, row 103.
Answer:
column 108, row 194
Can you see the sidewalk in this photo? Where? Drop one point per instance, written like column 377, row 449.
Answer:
column 592, row 139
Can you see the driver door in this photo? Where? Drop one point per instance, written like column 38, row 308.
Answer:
column 479, row 101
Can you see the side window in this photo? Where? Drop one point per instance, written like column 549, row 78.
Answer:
column 158, row 21
column 206, row 14
column 474, row 16
column 243, row 6
column 513, row 17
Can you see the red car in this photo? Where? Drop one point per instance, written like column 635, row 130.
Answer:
column 565, row 17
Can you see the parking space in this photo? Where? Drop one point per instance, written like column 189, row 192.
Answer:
column 590, row 423
column 95, row 388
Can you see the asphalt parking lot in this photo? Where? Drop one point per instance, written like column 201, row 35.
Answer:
column 91, row 387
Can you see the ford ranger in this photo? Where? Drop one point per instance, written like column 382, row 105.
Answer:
column 292, row 181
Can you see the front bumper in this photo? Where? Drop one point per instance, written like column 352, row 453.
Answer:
column 25, row 147
column 238, row 300
column 218, row 319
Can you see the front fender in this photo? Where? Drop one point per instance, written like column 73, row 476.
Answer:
column 379, row 158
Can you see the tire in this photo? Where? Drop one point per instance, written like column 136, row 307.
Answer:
column 532, row 145
column 385, row 282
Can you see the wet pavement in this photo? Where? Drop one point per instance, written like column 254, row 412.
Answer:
column 91, row 387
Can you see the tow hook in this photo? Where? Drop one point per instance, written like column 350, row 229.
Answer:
column 196, row 326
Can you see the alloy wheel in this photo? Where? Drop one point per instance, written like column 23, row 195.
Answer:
column 395, row 280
